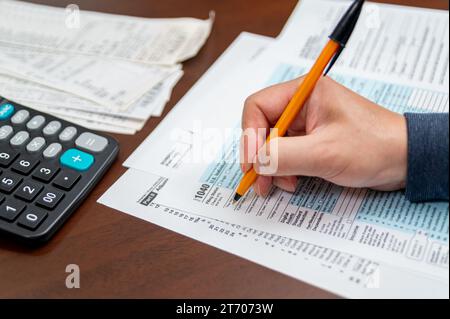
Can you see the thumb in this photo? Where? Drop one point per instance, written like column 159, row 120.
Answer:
column 291, row 156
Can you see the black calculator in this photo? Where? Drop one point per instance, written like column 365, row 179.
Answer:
column 47, row 167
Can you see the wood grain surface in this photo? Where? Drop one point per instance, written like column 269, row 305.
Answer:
column 124, row 257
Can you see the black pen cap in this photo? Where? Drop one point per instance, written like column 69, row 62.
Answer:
column 345, row 27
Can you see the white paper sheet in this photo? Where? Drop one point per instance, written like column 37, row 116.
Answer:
column 350, row 281
column 157, row 41
column 341, row 273
column 412, row 242
column 382, row 226
column 403, row 43
column 32, row 95
column 112, row 84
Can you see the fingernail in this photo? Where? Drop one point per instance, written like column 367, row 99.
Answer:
column 266, row 193
column 290, row 188
column 257, row 189
column 292, row 185
column 287, row 184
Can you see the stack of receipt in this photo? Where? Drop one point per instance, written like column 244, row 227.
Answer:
column 102, row 71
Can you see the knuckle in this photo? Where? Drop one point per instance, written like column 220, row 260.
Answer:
column 250, row 100
column 249, row 104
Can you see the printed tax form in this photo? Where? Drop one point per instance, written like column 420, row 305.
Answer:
column 402, row 42
column 345, row 274
column 322, row 220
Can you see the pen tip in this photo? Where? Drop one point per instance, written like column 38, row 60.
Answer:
column 236, row 197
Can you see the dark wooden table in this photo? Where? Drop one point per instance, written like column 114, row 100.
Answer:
column 124, row 257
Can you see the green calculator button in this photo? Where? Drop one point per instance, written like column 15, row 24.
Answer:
column 76, row 159
column 6, row 110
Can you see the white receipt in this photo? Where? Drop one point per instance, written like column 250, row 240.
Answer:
column 62, row 103
column 112, row 84
column 156, row 41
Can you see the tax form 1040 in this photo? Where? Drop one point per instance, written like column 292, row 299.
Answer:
column 408, row 239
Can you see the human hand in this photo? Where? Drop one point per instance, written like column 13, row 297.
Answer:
column 339, row 136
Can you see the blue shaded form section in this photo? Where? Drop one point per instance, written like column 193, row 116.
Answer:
column 286, row 72
column 225, row 170
column 394, row 97
column 393, row 210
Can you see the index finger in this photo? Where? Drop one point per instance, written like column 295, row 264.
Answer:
column 261, row 112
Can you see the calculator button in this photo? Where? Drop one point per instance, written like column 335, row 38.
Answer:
column 20, row 117
column 28, row 190
column 76, row 159
column 6, row 110
column 45, row 172
column 2, row 198
column 10, row 209
column 91, row 142
column 5, row 132
column 52, row 128
column 52, row 150
column 49, row 198
column 6, row 157
column 66, row 179
column 20, row 138
column 24, row 165
column 32, row 218
column 36, row 144
column 68, row 134
column 36, row 122
column 8, row 182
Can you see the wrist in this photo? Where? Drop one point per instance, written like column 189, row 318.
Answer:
column 399, row 155
column 393, row 171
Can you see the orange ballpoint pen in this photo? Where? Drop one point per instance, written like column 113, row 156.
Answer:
column 327, row 57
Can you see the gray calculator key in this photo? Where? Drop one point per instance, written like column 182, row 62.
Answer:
column 91, row 142
column 36, row 144
column 20, row 117
column 5, row 132
column 52, row 128
column 20, row 138
column 52, row 150
column 36, row 122
column 67, row 134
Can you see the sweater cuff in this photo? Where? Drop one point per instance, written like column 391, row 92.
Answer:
column 427, row 175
